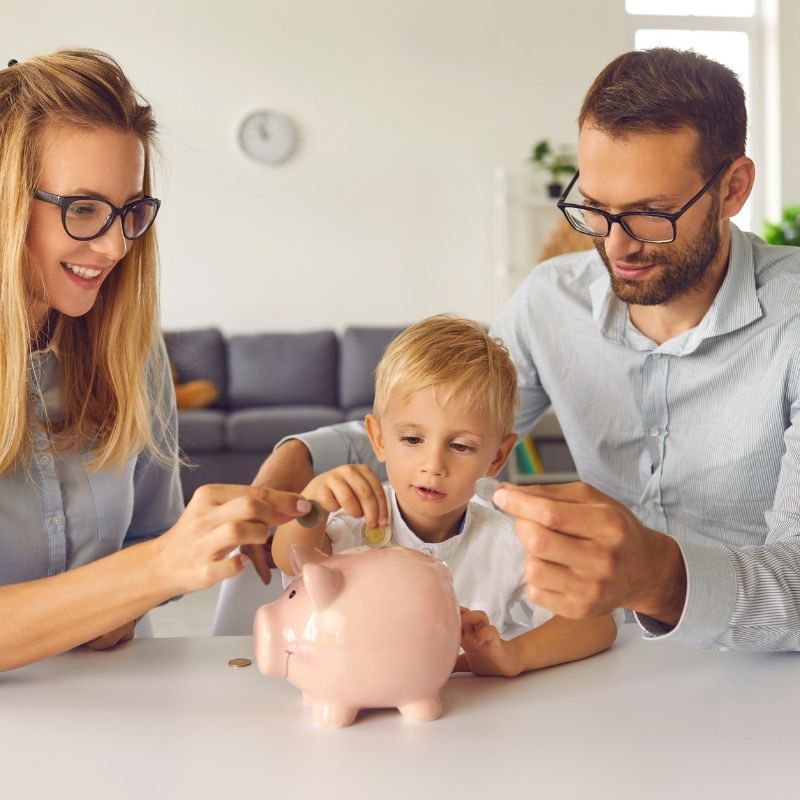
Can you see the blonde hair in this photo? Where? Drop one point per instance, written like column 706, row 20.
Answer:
column 110, row 359
column 456, row 358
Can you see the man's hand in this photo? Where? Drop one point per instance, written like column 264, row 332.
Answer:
column 588, row 554
column 122, row 634
column 485, row 653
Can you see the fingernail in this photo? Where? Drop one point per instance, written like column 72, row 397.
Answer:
column 499, row 497
column 303, row 505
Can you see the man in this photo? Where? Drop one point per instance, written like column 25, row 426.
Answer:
column 671, row 356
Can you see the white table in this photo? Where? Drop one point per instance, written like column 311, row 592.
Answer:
column 169, row 718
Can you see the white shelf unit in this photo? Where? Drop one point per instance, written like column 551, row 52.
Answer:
column 553, row 452
column 524, row 217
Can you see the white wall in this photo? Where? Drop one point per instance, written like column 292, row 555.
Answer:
column 384, row 214
column 404, row 108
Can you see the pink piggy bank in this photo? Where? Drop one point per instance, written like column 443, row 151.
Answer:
column 366, row 628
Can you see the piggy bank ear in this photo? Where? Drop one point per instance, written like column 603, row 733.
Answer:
column 300, row 554
column 323, row 584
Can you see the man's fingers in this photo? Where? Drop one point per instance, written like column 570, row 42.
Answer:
column 560, row 548
column 575, row 492
column 582, row 520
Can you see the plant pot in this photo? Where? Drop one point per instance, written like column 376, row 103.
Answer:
column 555, row 189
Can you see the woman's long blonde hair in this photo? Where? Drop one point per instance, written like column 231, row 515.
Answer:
column 110, row 356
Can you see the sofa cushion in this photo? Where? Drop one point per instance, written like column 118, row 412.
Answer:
column 200, row 354
column 279, row 369
column 361, row 350
column 201, row 429
column 262, row 428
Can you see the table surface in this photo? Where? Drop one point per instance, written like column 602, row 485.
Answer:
column 169, row 718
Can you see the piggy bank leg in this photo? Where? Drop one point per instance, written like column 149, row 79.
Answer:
column 331, row 714
column 422, row 710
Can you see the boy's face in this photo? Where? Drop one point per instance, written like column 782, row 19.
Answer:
column 433, row 457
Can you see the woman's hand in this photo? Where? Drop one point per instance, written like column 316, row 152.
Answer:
column 111, row 639
column 195, row 553
column 354, row 488
column 485, row 653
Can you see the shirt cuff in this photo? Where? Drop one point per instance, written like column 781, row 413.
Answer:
column 710, row 598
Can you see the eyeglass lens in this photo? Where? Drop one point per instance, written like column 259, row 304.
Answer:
column 653, row 229
column 86, row 218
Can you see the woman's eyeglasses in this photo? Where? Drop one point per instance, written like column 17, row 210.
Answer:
column 86, row 218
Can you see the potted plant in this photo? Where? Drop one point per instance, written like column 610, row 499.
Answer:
column 787, row 231
column 557, row 162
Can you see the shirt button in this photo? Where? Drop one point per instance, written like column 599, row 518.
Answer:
column 650, row 505
column 44, row 460
column 656, row 356
column 428, row 551
column 654, row 431
column 56, row 520
column 35, row 398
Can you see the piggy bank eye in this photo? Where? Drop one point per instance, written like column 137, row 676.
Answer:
column 292, row 593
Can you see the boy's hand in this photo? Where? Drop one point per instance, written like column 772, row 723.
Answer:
column 354, row 488
column 485, row 653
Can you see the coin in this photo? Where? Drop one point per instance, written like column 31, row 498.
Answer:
column 376, row 537
column 239, row 662
column 312, row 518
column 485, row 489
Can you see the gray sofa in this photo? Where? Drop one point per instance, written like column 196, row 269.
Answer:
column 271, row 385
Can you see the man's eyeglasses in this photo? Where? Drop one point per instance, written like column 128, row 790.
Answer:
column 86, row 218
column 651, row 227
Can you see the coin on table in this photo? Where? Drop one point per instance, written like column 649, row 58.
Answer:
column 239, row 662
column 378, row 536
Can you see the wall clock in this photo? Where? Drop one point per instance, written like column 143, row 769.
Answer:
column 267, row 136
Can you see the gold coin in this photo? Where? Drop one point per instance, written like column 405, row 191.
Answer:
column 376, row 537
column 239, row 662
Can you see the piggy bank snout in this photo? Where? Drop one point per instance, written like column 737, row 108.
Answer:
column 268, row 643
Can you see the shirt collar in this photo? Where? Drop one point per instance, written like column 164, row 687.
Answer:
column 735, row 305
column 404, row 536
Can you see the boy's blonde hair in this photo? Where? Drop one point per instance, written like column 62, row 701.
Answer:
column 109, row 356
column 459, row 360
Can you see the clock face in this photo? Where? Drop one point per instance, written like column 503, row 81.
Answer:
column 267, row 136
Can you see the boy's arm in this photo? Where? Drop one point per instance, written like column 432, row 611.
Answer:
column 556, row 641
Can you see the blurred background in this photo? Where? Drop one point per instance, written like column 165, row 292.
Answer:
column 414, row 123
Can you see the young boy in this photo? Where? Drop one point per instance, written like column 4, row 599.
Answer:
column 445, row 397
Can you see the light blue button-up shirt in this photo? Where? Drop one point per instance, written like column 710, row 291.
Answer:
column 698, row 436
column 57, row 514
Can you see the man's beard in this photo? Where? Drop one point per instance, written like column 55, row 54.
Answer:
column 683, row 270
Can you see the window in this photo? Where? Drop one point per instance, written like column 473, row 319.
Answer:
column 729, row 32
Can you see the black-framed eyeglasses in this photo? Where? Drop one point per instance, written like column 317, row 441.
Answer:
column 86, row 218
column 651, row 227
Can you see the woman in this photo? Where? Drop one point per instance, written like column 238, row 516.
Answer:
column 92, row 527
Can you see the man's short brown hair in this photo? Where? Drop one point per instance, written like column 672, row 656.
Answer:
column 650, row 91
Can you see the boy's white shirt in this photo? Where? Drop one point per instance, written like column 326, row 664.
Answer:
column 486, row 560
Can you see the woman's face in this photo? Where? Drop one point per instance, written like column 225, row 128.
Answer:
column 66, row 274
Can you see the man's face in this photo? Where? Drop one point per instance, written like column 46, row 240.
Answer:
column 650, row 172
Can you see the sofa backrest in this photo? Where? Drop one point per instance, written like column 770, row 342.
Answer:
column 200, row 354
column 276, row 369
column 361, row 350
